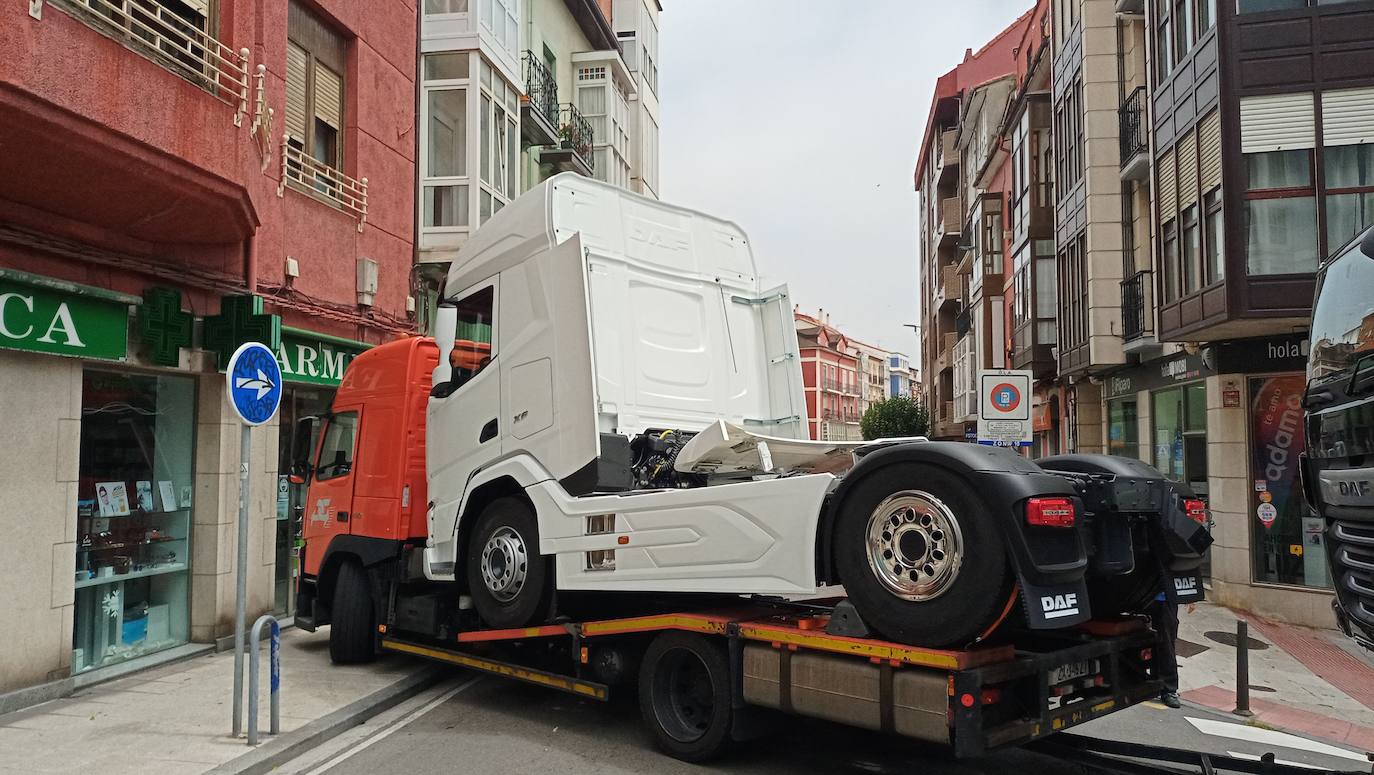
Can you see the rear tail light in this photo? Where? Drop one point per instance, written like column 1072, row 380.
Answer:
column 1050, row 512
column 1196, row 510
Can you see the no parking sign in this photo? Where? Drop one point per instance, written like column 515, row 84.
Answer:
column 1004, row 408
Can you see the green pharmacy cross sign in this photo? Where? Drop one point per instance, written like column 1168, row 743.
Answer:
column 240, row 320
column 44, row 315
column 163, row 326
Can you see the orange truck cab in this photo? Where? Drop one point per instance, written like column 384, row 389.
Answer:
column 366, row 502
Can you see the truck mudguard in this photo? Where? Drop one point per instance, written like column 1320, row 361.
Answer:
column 1003, row 481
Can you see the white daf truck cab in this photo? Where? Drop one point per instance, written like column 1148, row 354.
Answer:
column 618, row 407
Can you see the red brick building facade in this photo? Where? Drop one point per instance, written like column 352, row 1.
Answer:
column 830, row 375
column 177, row 177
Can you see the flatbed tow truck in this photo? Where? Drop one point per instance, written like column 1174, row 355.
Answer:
column 595, row 476
column 711, row 678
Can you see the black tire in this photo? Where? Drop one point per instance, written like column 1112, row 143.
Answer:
column 530, row 598
column 970, row 600
column 353, row 625
column 684, row 696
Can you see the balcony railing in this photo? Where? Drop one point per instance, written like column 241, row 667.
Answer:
column 173, row 42
column 849, row 388
column 304, row 173
column 541, row 88
column 575, row 133
column 1137, row 320
column 840, row 415
column 1132, row 127
column 951, row 217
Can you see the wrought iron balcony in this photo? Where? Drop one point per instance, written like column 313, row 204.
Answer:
column 176, row 43
column 1137, row 317
column 539, row 103
column 304, row 173
column 575, row 140
column 1135, row 148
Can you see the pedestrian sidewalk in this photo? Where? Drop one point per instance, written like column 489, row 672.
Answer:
column 1301, row 680
column 176, row 718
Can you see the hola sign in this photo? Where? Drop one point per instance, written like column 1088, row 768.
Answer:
column 1004, row 408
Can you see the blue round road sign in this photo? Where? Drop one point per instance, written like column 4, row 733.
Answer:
column 254, row 378
column 1005, row 397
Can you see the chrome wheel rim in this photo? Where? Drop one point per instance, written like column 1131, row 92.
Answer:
column 505, row 564
column 915, row 547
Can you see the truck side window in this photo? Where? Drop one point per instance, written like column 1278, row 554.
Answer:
column 472, row 345
column 336, row 452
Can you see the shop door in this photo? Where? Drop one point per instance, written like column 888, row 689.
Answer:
column 1180, row 441
column 330, row 503
column 301, row 418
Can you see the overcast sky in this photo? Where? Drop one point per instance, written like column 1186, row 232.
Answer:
column 801, row 121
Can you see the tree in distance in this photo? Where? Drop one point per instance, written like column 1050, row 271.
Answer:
column 894, row 418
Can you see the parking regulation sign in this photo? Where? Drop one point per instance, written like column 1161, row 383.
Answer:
column 254, row 378
column 1004, row 404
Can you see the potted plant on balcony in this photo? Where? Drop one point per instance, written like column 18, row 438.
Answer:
column 572, row 140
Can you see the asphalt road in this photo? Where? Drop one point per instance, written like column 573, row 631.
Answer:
column 488, row 725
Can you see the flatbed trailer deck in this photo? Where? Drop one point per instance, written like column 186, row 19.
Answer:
column 713, row 676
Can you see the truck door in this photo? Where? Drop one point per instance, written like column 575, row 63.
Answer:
column 464, row 414
column 329, row 506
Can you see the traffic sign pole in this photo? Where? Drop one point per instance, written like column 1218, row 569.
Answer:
column 253, row 387
column 241, row 590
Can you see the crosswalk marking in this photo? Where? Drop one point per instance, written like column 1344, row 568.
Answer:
column 1269, row 737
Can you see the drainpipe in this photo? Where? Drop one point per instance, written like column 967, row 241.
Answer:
column 250, row 263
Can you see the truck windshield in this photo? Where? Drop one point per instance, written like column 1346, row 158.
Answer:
column 1343, row 316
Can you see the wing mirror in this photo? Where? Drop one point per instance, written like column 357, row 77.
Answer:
column 304, row 446
column 445, row 324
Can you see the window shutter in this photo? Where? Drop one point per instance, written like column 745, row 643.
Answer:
column 1168, row 193
column 1348, row 116
column 1209, row 150
column 1278, row 122
column 1187, row 170
column 328, row 97
column 295, row 91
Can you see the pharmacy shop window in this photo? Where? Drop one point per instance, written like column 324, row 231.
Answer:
column 134, row 500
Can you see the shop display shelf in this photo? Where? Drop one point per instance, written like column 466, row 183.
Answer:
column 156, row 570
column 127, row 544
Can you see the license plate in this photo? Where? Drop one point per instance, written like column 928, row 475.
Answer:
column 1062, row 673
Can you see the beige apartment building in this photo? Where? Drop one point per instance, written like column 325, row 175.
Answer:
column 1162, row 296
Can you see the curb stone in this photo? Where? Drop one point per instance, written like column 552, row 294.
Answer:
column 285, row 747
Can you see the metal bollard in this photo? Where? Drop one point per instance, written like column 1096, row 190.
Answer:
column 275, row 689
column 1242, row 669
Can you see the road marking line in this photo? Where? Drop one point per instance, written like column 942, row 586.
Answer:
column 1269, row 737
column 1254, row 758
column 395, row 725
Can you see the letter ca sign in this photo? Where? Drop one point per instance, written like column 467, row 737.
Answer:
column 47, row 321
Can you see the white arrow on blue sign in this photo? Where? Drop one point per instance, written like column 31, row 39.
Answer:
column 255, row 384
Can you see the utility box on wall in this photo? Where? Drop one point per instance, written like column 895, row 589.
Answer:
column 367, row 281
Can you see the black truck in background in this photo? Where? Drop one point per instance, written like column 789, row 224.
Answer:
column 1338, row 468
